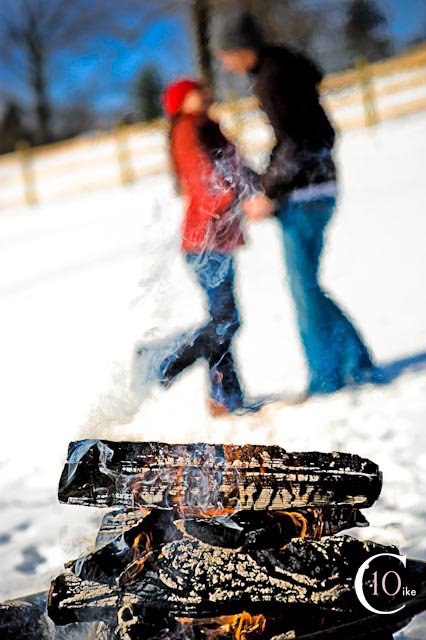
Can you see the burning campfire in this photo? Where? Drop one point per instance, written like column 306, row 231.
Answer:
column 211, row 541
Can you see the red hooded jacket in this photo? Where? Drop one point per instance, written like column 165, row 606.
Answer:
column 203, row 160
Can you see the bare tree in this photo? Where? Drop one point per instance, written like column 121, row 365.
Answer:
column 366, row 30
column 34, row 34
column 201, row 10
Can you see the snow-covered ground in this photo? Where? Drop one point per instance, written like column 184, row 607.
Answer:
column 82, row 279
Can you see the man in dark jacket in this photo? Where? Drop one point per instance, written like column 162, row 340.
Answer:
column 300, row 184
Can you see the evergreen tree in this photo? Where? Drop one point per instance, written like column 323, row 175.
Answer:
column 11, row 128
column 365, row 30
column 149, row 87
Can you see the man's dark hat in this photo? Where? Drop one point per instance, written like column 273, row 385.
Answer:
column 236, row 30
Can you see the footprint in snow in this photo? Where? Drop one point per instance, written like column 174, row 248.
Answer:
column 32, row 559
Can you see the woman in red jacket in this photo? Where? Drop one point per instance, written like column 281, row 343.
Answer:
column 207, row 170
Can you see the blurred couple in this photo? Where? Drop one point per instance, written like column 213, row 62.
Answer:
column 299, row 187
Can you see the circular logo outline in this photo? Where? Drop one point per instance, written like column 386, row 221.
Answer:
column 359, row 582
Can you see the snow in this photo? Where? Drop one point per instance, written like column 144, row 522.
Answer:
column 83, row 279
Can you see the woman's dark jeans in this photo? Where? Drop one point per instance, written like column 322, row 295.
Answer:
column 212, row 341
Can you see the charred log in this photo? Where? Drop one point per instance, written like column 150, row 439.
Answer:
column 26, row 618
column 130, row 549
column 115, row 523
column 187, row 578
column 272, row 530
column 72, row 600
column 202, row 478
column 243, row 626
column 245, row 530
column 193, row 579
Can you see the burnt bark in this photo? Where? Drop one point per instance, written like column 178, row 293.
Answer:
column 246, row 529
column 129, row 543
column 26, row 618
column 188, row 578
column 209, row 479
column 272, row 530
column 128, row 551
column 115, row 523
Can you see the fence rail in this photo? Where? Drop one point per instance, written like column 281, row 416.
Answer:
column 359, row 97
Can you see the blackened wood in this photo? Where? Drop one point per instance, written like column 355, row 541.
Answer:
column 288, row 622
column 372, row 627
column 272, row 530
column 74, row 600
column 191, row 579
column 131, row 534
column 250, row 529
column 379, row 626
column 115, row 523
column 128, row 549
column 26, row 618
column 203, row 477
column 86, row 631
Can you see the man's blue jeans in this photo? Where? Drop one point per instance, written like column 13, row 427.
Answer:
column 335, row 353
column 212, row 341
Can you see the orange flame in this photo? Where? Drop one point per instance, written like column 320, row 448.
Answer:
column 299, row 521
column 143, row 539
column 244, row 625
column 241, row 626
column 208, row 512
column 318, row 533
column 142, row 548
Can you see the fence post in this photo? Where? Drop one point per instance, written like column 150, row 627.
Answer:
column 123, row 154
column 28, row 178
column 367, row 91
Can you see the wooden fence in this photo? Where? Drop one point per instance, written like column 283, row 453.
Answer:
column 364, row 96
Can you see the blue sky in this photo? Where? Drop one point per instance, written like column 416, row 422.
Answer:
column 406, row 17
column 161, row 45
column 106, row 73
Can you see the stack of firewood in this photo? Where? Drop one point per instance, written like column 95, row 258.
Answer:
column 213, row 541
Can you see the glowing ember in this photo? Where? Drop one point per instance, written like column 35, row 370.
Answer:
column 240, row 626
column 244, row 625
column 299, row 521
column 141, row 547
